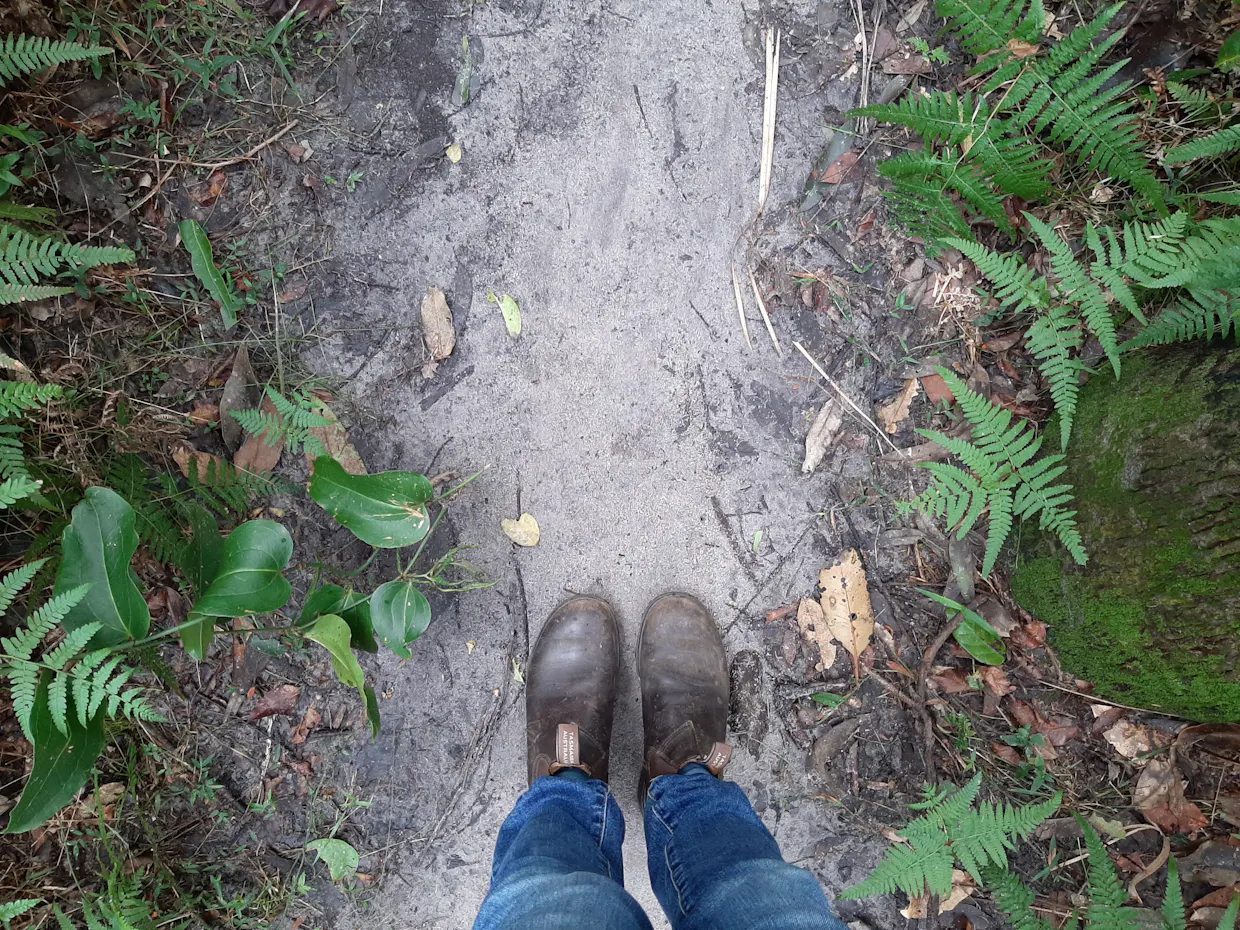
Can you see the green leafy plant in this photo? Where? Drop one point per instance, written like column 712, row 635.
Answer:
column 1002, row 475
column 974, row 633
column 203, row 262
column 26, row 258
column 22, row 54
column 952, row 832
column 292, row 422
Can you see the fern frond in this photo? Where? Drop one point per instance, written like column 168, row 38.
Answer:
column 1076, row 284
column 13, row 490
column 12, row 584
column 1017, row 286
column 954, row 806
column 1173, row 901
column 19, row 397
column 20, row 293
column 1060, row 95
column 1104, row 886
column 1015, row 899
column 73, row 643
column 290, row 423
column 24, row 257
column 23, row 54
column 12, row 909
column 23, row 687
column 1053, row 341
column 987, row 25
column 1195, row 316
column 1224, row 142
column 24, row 214
column 923, row 866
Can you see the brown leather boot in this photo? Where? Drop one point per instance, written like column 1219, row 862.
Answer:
column 570, row 691
column 684, row 674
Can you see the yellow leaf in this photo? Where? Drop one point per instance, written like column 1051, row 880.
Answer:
column 524, row 532
column 846, row 606
column 810, row 620
column 893, row 414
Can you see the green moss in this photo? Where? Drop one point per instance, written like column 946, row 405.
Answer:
column 1154, row 618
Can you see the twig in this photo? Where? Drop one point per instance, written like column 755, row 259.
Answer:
column 770, row 102
column 1095, row 699
column 757, row 295
column 923, row 675
column 740, row 308
column 848, row 400
column 270, row 140
column 1149, row 870
column 893, row 690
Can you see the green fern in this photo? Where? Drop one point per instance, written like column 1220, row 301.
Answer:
column 1194, row 316
column 87, row 682
column 1224, row 142
column 25, row 258
column 1173, row 901
column 1003, row 475
column 985, row 26
column 1015, row 899
column 952, row 832
column 21, row 54
column 291, row 423
column 11, row 909
column 24, row 214
column 17, row 397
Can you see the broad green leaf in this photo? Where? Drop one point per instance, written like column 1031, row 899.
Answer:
column 203, row 262
column 1229, row 54
column 974, row 634
column 400, row 614
column 372, row 709
column 205, row 548
column 62, row 763
column 512, row 313
column 387, row 510
column 250, row 580
column 351, row 606
column 332, row 633
column 98, row 546
column 340, row 858
column 827, row 699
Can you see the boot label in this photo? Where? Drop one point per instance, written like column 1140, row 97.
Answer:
column 568, row 744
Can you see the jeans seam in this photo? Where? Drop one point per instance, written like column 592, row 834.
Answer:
column 667, row 858
column 602, row 833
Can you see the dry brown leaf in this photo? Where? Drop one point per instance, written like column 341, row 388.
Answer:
column 1007, row 753
column 1021, row 49
column 950, row 680
column 893, row 414
column 204, row 414
column 240, row 393
column 524, row 532
column 184, row 454
column 838, row 169
column 281, row 700
column 309, row 720
column 937, row 391
column 255, row 455
column 814, row 629
column 963, row 887
column 846, row 606
column 1129, row 739
column 821, row 434
column 437, row 328
column 906, row 64
column 1058, row 730
column 996, row 681
column 1159, row 796
column 1031, row 635
column 335, row 440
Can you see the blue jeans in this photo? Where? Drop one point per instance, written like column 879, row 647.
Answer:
column 713, row 865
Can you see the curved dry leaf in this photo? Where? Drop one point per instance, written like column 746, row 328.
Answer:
column 814, row 629
column 187, row 457
column 438, row 330
column 240, row 393
column 846, row 607
column 1159, row 796
column 893, row 414
column 822, row 434
column 335, row 440
column 524, row 532
column 255, row 455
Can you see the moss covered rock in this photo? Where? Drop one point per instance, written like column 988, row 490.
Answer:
column 1154, row 618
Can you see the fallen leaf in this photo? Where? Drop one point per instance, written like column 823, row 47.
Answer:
column 512, row 313
column 296, row 292
column 437, row 328
column 1007, row 753
column 317, row 10
column 846, row 606
column 1021, row 49
column 204, row 414
column 240, row 393
column 909, row 19
column 906, row 64
column 838, row 170
column 1220, row 741
column 996, row 680
column 821, row 434
column 257, row 456
column 893, row 414
column 937, row 391
column 963, row 887
column 1159, row 796
column 950, row 680
column 524, row 532
column 780, row 613
column 309, row 720
column 335, row 440
column 454, row 153
column 1003, row 343
column 186, row 457
column 1031, row 635
column 206, row 193
column 1024, row 714
column 1219, row 897
column 1130, row 739
column 1058, row 730
column 814, row 629
column 281, row 700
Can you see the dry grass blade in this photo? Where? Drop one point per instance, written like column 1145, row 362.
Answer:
column 770, row 101
column 844, row 397
column 740, row 308
column 766, row 318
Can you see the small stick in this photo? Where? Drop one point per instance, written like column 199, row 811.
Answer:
column 757, row 294
column 848, row 400
column 774, row 41
column 740, row 308
column 254, row 151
